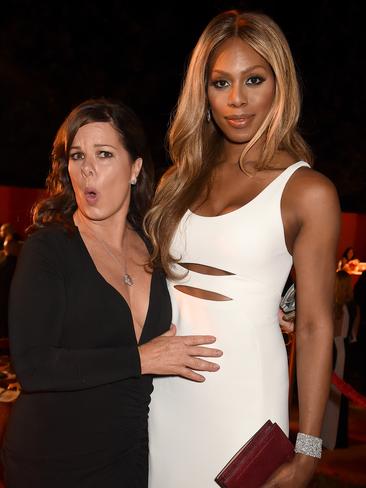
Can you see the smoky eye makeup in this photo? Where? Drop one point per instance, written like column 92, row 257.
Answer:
column 255, row 79
column 219, row 83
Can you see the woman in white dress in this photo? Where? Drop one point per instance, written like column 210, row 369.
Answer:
column 238, row 207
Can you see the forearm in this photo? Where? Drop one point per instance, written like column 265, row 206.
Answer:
column 314, row 364
column 47, row 368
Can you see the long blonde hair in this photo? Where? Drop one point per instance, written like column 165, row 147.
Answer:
column 194, row 145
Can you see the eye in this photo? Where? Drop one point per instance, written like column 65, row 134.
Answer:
column 76, row 156
column 254, row 80
column 105, row 154
column 220, row 83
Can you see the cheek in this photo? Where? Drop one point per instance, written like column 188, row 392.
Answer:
column 116, row 181
column 73, row 175
column 116, row 191
column 267, row 96
column 216, row 102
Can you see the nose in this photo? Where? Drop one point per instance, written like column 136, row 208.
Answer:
column 87, row 168
column 237, row 95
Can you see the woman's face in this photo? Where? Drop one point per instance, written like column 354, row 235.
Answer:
column 101, row 170
column 241, row 90
column 350, row 254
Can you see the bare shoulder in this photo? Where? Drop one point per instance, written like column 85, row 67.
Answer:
column 308, row 190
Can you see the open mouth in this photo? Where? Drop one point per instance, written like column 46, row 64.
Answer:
column 90, row 195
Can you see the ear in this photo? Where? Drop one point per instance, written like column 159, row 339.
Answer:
column 136, row 167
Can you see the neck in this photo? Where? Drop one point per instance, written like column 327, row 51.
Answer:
column 109, row 230
column 232, row 153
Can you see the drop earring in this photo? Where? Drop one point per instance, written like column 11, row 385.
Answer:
column 208, row 115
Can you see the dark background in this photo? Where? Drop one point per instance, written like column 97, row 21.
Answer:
column 53, row 55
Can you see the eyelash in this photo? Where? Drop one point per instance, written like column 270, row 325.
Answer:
column 75, row 156
column 78, row 155
column 107, row 154
column 217, row 83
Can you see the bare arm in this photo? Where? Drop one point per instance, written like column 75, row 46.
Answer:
column 315, row 227
column 315, row 261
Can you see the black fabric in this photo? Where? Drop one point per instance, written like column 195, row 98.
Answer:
column 81, row 420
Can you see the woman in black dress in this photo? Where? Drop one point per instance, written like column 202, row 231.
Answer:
column 89, row 322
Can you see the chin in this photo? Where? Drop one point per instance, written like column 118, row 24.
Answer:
column 237, row 136
column 237, row 139
column 92, row 214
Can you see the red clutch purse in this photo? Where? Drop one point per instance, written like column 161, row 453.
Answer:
column 254, row 463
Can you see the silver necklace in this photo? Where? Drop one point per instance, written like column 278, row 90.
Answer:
column 127, row 278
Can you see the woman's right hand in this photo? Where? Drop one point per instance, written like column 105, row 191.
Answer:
column 169, row 354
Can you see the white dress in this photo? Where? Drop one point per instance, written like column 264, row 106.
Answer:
column 195, row 428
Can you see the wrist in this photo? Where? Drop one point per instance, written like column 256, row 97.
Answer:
column 142, row 362
column 308, row 445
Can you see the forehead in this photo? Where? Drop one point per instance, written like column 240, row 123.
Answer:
column 235, row 54
column 98, row 133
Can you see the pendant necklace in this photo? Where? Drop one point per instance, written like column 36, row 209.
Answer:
column 126, row 278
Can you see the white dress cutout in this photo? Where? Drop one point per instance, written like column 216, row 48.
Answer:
column 195, row 428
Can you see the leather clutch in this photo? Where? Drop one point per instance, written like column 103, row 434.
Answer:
column 257, row 460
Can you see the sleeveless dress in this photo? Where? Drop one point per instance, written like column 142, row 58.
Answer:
column 195, row 428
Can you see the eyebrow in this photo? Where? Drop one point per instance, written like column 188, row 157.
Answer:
column 251, row 68
column 95, row 145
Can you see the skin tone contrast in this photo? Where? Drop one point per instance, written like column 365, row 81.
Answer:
column 101, row 171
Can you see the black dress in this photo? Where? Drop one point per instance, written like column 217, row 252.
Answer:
column 81, row 420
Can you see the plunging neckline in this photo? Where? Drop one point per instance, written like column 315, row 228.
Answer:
column 254, row 199
column 116, row 292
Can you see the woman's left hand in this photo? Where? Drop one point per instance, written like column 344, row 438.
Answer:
column 295, row 474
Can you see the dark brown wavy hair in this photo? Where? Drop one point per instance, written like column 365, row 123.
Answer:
column 60, row 204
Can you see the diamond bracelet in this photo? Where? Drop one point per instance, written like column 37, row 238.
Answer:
column 308, row 445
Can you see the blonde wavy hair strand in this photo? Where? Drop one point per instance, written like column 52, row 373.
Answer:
column 195, row 145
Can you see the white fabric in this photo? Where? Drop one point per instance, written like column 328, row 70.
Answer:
column 195, row 428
